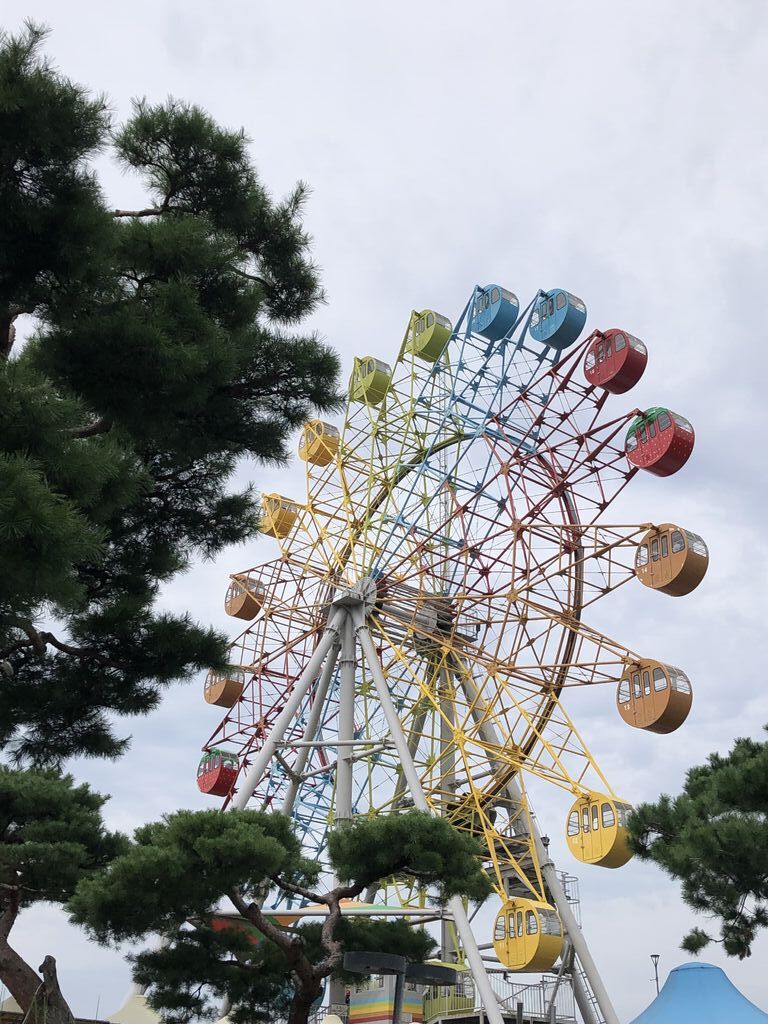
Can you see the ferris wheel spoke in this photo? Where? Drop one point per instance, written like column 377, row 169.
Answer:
column 493, row 701
column 447, row 769
column 545, row 740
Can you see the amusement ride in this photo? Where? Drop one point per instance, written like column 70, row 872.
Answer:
column 413, row 642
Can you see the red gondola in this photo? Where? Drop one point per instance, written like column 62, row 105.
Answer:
column 615, row 361
column 217, row 771
column 659, row 441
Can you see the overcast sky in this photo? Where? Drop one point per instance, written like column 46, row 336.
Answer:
column 617, row 150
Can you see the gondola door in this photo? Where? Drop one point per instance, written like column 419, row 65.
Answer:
column 660, row 563
column 636, row 694
column 589, row 831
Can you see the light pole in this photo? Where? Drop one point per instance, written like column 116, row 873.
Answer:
column 655, row 962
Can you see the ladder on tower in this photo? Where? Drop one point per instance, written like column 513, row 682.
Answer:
column 582, row 991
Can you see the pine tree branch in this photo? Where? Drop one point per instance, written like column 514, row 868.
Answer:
column 150, row 211
column 18, row 889
column 34, row 639
column 334, row 946
column 291, row 945
column 7, row 329
column 249, row 277
column 332, row 900
column 9, row 915
column 102, row 425
column 79, row 652
column 297, row 890
column 39, row 641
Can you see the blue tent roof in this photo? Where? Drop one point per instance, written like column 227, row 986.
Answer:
column 700, row 994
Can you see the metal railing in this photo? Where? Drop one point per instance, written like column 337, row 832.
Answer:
column 445, row 1001
column 319, row 1015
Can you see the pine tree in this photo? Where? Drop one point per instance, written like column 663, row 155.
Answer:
column 51, row 837
column 178, row 871
column 713, row 837
column 161, row 355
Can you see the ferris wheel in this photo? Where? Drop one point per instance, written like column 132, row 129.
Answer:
column 414, row 641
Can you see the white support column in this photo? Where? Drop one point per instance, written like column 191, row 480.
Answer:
column 310, row 730
column 570, row 924
column 283, row 720
column 447, row 768
column 581, row 996
column 346, row 730
column 447, row 744
column 342, row 806
column 413, row 743
column 463, row 927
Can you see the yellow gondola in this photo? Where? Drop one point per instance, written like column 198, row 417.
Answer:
column 370, row 380
column 597, row 832
column 319, row 442
column 428, row 333
column 527, row 935
column 278, row 515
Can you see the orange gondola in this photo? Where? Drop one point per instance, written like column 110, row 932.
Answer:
column 671, row 560
column 245, row 596
column 654, row 696
column 224, row 689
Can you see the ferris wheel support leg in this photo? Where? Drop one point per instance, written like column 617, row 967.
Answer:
column 413, row 742
column 310, row 731
column 448, row 949
column 456, row 906
column 548, row 872
column 581, row 996
column 286, row 716
column 343, row 800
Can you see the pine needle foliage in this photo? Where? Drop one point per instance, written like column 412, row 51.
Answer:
column 163, row 351
column 51, row 837
column 713, row 838
column 178, row 871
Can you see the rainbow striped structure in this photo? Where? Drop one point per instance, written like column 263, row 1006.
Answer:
column 373, row 1001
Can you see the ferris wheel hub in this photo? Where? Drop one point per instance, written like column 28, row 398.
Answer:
column 363, row 594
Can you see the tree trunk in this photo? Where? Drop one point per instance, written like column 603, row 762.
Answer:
column 17, row 976
column 48, row 1005
column 7, row 334
column 302, row 1003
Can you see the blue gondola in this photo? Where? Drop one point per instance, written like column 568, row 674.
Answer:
column 495, row 312
column 558, row 318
